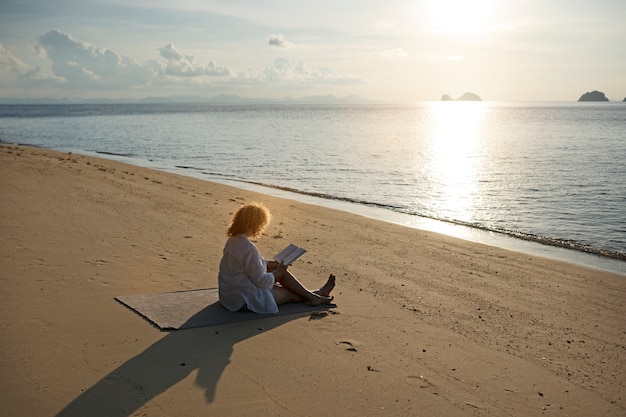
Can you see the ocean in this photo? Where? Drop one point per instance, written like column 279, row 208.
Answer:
column 552, row 175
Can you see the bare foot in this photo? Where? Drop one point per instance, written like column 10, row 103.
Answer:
column 327, row 288
column 319, row 300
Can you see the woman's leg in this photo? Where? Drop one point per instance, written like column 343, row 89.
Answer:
column 283, row 296
column 292, row 291
column 327, row 287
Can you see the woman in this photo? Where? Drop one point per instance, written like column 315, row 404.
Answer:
column 247, row 281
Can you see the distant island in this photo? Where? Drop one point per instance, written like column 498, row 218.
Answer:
column 593, row 96
column 464, row 97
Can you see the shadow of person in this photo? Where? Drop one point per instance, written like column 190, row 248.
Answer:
column 167, row 362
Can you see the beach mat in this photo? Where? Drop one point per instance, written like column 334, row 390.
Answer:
column 197, row 308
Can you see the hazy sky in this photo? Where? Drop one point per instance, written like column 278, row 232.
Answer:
column 396, row 50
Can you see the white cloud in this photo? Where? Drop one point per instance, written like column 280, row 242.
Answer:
column 279, row 41
column 84, row 65
column 23, row 73
column 284, row 71
column 182, row 65
column 72, row 64
column 170, row 53
column 11, row 63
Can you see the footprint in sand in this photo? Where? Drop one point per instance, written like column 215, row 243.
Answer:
column 348, row 345
column 97, row 262
column 420, row 381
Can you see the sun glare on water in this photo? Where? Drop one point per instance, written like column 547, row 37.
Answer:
column 455, row 156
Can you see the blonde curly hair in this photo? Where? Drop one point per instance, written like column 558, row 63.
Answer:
column 250, row 219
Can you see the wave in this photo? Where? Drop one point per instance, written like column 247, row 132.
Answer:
column 127, row 155
column 544, row 240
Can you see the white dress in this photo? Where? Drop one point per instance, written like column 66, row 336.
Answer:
column 243, row 278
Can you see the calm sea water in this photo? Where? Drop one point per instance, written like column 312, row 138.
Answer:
column 548, row 172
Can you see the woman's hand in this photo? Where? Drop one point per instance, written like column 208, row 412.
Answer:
column 272, row 265
column 279, row 272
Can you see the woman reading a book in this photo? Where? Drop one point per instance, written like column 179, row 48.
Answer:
column 247, row 281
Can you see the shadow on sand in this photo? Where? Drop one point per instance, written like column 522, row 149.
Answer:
column 165, row 363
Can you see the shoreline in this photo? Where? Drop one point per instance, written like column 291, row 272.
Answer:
column 499, row 239
column 425, row 324
column 466, row 232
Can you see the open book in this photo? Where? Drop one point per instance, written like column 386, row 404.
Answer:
column 289, row 254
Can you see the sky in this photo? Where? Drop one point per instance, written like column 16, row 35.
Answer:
column 387, row 50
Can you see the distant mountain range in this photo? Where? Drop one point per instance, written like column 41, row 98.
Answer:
column 224, row 99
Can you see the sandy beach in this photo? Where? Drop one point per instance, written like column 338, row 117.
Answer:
column 425, row 324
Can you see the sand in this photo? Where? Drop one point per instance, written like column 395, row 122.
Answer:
column 425, row 324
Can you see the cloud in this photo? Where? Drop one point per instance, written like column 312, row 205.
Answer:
column 283, row 71
column 11, row 63
column 23, row 74
column 83, row 65
column 279, row 41
column 72, row 64
column 395, row 53
column 182, row 65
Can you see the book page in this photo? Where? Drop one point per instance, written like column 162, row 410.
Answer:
column 289, row 254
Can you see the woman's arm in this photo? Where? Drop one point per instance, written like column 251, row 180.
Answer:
column 256, row 269
column 272, row 265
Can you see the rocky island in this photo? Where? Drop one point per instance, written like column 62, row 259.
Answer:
column 464, row 97
column 593, row 96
